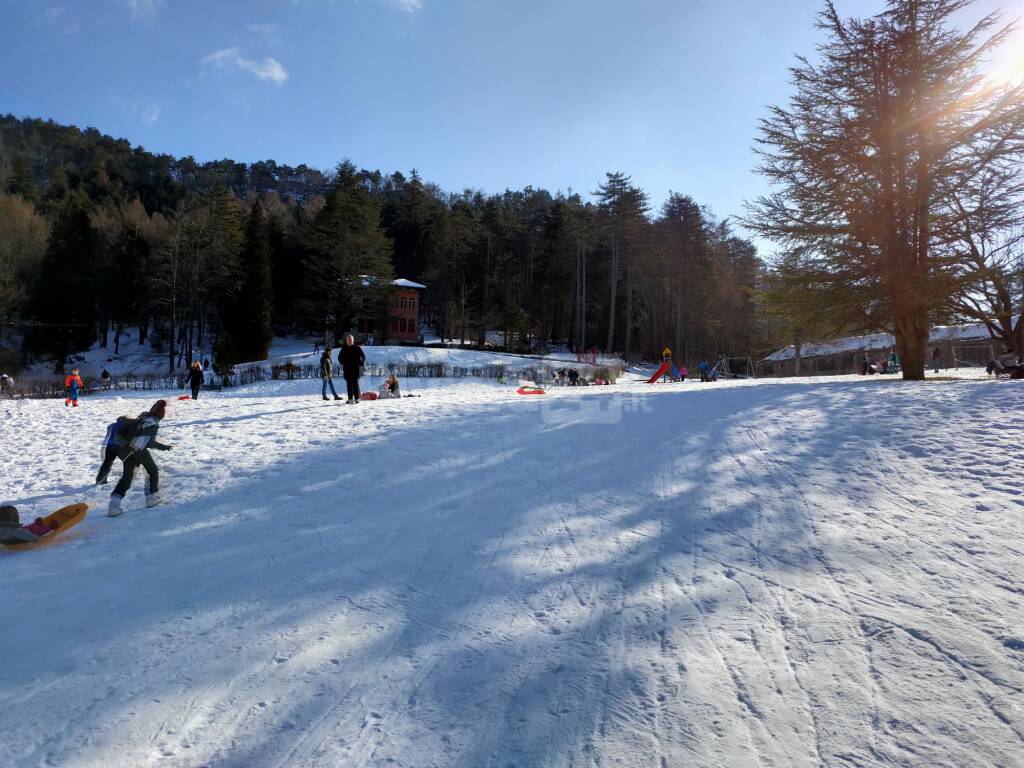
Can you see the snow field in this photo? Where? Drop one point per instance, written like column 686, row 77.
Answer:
column 801, row 572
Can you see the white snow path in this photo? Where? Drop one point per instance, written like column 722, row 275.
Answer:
column 815, row 572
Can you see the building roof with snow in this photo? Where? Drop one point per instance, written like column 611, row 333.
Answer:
column 401, row 282
column 941, row 333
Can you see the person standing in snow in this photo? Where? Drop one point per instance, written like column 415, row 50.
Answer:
column 936, row 359
column 105, row 378
column 327, row 374
column 195, row 378
column 72, row 386
column 137, row 453
column 703, row 367
column 352, row 360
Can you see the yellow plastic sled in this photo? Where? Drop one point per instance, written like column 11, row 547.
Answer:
column 56, row 523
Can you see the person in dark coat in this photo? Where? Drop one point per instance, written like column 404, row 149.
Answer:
column 352, row 360
column 327, row 374
column 136, row 453
column 195, row 379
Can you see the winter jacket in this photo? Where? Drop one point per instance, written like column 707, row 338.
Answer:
column 351, row 359
column 326, row 366
column 195, row 378
column 144, row 434
column 120, row 432
column 73, row 383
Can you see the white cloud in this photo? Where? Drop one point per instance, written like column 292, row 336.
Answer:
column 267, row 30
column 268, row 69
column 409, row 6
column 53, row 13
column 151, row 114
column 144, row 10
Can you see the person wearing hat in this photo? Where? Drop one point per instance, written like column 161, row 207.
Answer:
column 137, row 453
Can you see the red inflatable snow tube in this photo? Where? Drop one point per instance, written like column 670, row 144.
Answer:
column 368, row 396
column 529, row 391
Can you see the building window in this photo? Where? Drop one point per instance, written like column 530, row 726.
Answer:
column 412, row 326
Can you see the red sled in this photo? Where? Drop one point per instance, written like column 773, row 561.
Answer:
column 368, row 396
column 184, row 397
column 529, row 391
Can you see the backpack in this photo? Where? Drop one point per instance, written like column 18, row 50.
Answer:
column 121, row 431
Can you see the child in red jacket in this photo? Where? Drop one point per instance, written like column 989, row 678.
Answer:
column 72, row 385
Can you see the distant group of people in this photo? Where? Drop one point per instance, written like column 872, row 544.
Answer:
column 567, row 377
column 888, row 364
column 1007, row 364
column 351, row 359
column 707, row 371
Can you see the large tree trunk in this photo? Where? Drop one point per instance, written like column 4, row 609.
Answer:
column 629, row 305
column 912, row 340
column 615, row 287
column 174, row 329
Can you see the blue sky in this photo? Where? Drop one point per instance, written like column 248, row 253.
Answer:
column 486, row 94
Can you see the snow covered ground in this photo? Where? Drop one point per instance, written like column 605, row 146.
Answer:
column 798, row 572
column 137, row 360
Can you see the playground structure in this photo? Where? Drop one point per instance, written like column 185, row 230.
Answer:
column 587, row 356
column 972, row 355
column 726, row 367
column 668, row 369
column 735, row 368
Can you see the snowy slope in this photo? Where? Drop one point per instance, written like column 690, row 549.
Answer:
column 135, row 359
column 799, row 572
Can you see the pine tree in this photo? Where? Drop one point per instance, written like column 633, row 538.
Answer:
column 623, row 207
column 890, row 121
column 249, row 318
column 64, row 301
column 19, row 179
column 347, row 262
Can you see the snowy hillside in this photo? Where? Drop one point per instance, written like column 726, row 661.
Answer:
column 135, row 359
column 799, row 572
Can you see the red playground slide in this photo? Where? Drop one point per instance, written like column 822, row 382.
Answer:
column 666, row 367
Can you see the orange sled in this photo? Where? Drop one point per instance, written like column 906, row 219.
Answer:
column 56, row 523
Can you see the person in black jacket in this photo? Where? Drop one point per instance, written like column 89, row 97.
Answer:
column 327, row 374
column 137, row 453
column 195, row 379
column 352, row 359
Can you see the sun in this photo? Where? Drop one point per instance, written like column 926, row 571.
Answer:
column 1008, row 67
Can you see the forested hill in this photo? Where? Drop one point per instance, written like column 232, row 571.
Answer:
column 97, row 236
column 56, row 156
